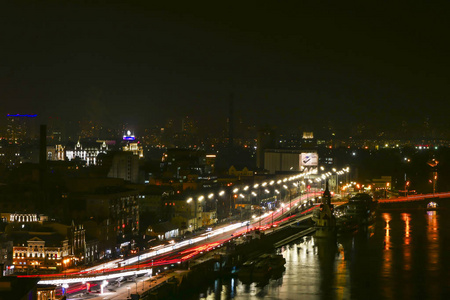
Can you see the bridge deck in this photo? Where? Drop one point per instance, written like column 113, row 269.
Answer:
column 420, row 197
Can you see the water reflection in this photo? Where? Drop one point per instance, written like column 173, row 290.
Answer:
column 399, row 257
column 387, row 258
column 342, row 280
column 433, row 265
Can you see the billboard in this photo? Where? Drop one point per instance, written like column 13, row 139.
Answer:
column 309, row 160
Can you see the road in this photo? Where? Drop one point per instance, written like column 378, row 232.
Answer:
column 158, row 258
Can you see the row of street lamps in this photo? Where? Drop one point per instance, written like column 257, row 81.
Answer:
column 265, row 188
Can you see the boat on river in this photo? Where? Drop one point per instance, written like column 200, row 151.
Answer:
column 360, row 210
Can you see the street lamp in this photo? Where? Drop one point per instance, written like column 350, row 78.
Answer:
column 406, row 187
column 199, row 199
column 433, row 164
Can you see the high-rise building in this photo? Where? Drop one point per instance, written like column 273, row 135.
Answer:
column 55, row 130
column 20, row 127
column 189, row 126
column 265, row 141
column 125, row 165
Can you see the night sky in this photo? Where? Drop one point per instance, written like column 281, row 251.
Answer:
column 286, row 65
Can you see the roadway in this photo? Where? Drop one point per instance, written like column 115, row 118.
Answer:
column 149, row 263
column 419, row 197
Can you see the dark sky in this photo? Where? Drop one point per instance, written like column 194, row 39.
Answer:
column 287, row 65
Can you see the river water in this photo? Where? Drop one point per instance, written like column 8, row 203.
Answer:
column 403, row 255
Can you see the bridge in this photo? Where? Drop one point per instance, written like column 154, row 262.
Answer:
column 413, row 198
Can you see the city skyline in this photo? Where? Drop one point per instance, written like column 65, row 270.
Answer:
column 284, row 65
column 68, row 130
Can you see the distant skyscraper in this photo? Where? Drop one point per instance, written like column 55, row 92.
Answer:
column 55, row 129
column 188, row 126
column 90, row 129
column 19, row 127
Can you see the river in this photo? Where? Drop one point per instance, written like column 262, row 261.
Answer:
column 404, row 254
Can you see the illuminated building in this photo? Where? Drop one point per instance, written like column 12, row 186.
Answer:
column 9, row 154
column 19, row 127
column 116, row 210
column 128, row 136
column 87, row 151
column 163, row 231
column 132, row 145
column 136, row 148
column 56, row 152
column 18, row 217
column 241, row 171
column 211, row 162
column 76, row 235
column 43, row 251
column 290, row 160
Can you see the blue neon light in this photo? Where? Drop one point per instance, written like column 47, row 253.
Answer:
column 129, row 138
column 19, row 115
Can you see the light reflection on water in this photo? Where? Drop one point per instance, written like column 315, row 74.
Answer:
column 398, row 257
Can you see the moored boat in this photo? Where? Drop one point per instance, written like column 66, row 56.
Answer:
column 360, row 210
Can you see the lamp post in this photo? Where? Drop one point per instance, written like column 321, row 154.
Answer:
column 221, row 194
column 406, row 187
column 433, row 164
column 189, row 200
column 199, row 199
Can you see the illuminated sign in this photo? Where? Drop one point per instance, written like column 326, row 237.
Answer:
column 309, row 160
column 19, row 115
column 128, row 136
